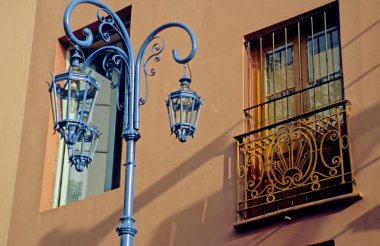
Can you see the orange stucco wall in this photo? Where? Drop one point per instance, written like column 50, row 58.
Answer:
column 16, row 38
column 185, row 193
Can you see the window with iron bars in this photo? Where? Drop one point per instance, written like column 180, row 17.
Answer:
column 295, row 146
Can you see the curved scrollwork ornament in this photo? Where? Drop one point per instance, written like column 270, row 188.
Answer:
column 112, row 62
column 156, row 49
column 104, row 21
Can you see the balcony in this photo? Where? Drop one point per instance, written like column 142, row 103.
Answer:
column 294, row 163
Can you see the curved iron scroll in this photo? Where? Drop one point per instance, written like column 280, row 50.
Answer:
column 156, row 51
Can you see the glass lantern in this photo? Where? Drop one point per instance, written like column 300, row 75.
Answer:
column 82, row 152
column 73, row 95
column 184, row 107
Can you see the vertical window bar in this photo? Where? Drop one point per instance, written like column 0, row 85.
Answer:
column 274, row 83
column 248, row 113
column 261, row 80
column 326, row 44
column 300, row 63
column 332, row 52
column 327, row 60
column 286, row 72
column 312, row 58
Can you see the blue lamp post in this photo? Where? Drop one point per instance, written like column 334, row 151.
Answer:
column 73, row 95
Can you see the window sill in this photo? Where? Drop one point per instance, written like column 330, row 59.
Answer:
column 287, row 213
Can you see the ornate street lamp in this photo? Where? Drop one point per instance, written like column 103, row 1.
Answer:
column 73, row 95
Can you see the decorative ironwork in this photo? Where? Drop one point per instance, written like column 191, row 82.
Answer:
column 300, row 160
column 156, row 49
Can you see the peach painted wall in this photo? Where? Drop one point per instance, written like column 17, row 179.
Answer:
column 185, row 193
column 16, row 38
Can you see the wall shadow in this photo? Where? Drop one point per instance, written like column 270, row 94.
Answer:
column 360, row 34
column 363, row 124
column 216, row 148
column 94, row 235
column 356, row 80
column 367, row 222
column 207, row 222
column 351, row 41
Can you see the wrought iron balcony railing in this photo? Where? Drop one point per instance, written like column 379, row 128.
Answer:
column 293, row 162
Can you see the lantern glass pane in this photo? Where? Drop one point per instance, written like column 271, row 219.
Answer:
column 79, row 101
column 54, row 102
column 64, row 96
column 60, row 99
column 176, row 106
column 187, row 106
column 76, row 99
column 86, row 144
column 194, row 112
column 86, row 100
column 73, row 99
column 82, row 152
column 169, row 106
column 91, row 140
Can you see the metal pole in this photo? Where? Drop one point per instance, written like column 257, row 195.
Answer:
column 127, row 229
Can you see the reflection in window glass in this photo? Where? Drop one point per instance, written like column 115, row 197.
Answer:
column 280, row 83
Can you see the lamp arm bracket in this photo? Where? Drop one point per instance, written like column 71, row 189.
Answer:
column 156, row 50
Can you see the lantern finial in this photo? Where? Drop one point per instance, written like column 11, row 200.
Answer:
column 77, row 58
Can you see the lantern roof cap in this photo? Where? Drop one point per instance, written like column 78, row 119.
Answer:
column 185, row 80
column 76, row 58
column 74, row 74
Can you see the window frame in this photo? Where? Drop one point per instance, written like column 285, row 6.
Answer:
column 256, row 61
